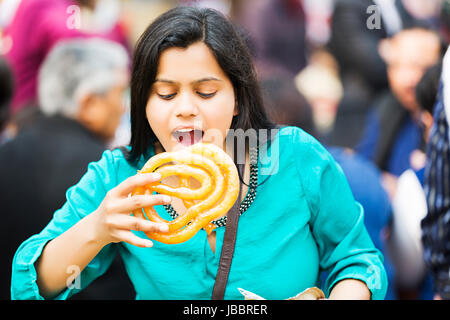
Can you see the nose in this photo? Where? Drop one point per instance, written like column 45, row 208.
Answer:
column 186, row 106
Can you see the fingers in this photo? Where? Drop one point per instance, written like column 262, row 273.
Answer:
column 130, row 204
column 117, row 221
column 129, row 237
column 125, row 222
column 138, row 180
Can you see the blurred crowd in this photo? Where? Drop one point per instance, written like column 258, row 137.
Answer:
column 364, row 77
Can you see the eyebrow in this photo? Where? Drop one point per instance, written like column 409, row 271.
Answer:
column 195, row 81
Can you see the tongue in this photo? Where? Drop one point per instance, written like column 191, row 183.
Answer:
column 189, row 138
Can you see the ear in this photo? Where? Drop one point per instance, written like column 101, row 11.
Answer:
column 385, row 50
column 87, row 111
column 236, row 109
column 427, row 119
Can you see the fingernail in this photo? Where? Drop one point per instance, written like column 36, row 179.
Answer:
column 163, row 228
column 148, row 244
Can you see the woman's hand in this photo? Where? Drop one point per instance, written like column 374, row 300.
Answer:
column 111, row 222
column 114, row 221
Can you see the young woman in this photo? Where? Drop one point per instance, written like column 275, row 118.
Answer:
column 192, row 81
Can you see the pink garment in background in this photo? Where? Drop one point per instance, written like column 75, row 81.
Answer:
column 37, row 26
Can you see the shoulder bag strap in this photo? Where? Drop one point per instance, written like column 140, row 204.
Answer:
column 229, row 241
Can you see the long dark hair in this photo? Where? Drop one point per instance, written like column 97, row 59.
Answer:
column 181, row 27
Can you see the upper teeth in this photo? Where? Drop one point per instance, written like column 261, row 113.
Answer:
column 185, row 130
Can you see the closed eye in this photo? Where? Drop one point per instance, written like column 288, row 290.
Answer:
column 167, row 96
column 206, row 95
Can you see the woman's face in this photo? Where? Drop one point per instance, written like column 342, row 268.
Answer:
column 192, row 99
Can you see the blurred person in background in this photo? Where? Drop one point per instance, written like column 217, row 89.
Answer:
column 35, row 26
column 357, row 27
column 80, row 89
column 419, row 238
column 319, row 82
column 292, row 109
column 6, row 93
column 413, row 281
column 436, row 224
column 368, row 190
column 393, row 130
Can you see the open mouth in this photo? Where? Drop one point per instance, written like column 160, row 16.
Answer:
column 188, row 137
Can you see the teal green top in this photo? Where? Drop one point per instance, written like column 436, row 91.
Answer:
column 304, row 220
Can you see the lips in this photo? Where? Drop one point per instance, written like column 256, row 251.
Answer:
column 187, row 136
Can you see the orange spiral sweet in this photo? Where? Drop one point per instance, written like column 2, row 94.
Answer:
column 219, row 189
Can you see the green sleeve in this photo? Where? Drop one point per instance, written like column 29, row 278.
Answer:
column 337, row 224
column 82, row 199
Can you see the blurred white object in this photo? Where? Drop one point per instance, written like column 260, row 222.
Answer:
column 106, row 15
column 318, row 16
column 404, row 244
column 224, row 6
column 7, row 11
column 103, row 18
column 391, row 16
column 250, row 295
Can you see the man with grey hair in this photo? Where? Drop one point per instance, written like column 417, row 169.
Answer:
column 84, row 80
column 81, row 89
